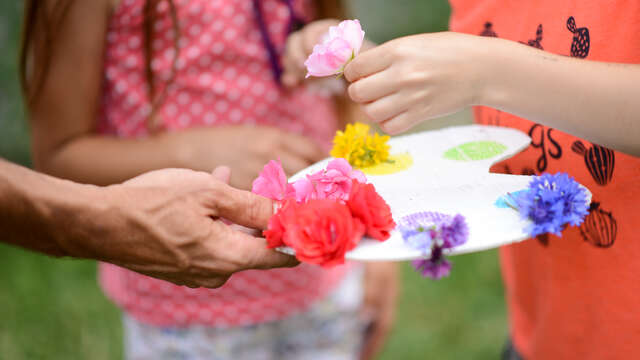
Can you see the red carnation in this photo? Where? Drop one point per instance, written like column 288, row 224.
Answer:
column 370, row 208
column 320, row 231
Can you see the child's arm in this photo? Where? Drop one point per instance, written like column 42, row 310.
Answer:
column 417, row 78
column 63, row 118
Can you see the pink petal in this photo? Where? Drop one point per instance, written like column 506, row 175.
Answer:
column 272, row 182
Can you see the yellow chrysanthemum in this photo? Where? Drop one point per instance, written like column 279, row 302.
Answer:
column 359, row 147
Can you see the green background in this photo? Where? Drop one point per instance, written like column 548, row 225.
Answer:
column 53, row 309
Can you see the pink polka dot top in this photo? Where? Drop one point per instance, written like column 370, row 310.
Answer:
column 223, row 76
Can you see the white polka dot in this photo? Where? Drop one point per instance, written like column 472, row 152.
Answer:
column 183, row 98
column 180, row 63
column 170, row 53
column 219, row 87
column 217, row 65
column 254, row 67
column 217, row 48
column 222, row 106
column 172, row 110
column 210, row 118
column 239, row 19
column 207, row 17
column 121, row 87
column 205, row 79
column 233, row 94
column 196, row 108
column 134, row 42
column 205, row 39
column 275, row 28
column 182, row 43
column 217, row 25
column 195, row 30
column 261, row 110
column 111, row 73
column 156, row 64
column 247, row 102
column 230, row 34
column 195, row 9
column 229, row 73
column 283, row 13
column 205, row 60
column 258, row 89
column 271, row 97
column 193, row 52
column 227, row 10
column 184, row 120
column 252, row 49
column 235, row 115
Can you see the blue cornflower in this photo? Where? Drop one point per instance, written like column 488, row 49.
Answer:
column 551, row 202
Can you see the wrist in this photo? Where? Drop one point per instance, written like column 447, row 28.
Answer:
column 495, row 59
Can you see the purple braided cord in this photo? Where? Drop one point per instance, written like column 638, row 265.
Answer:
column 274, row 58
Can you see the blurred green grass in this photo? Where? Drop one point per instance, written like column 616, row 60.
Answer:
column 53, row 309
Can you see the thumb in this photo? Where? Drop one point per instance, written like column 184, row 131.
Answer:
column 222, row 173
column 242, row 207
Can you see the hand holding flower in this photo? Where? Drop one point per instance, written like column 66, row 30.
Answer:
column 416, row 78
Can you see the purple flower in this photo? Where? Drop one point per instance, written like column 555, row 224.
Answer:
column 436, row 267
column 552, row 202
column 431, row 232
column 454, row 231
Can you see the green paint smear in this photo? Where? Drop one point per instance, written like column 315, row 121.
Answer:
column 475, row 150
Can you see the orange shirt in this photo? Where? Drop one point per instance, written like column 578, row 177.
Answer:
column 575, row 297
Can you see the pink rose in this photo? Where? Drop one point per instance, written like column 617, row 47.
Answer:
column 272, row 182
column 334, row 183
column 340, row 45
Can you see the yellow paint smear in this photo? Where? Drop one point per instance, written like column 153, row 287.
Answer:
column 396, row 163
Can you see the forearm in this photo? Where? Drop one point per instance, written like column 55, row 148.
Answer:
column 104, row 160
column 593, row 100
column 39, row 212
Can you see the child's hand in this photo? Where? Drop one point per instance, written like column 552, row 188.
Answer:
column 245, row 149
column 299, row 46
column 417, row 78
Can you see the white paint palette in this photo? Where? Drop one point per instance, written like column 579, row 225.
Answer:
column 450, row 174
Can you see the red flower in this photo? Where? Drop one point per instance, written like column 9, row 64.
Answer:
column 277, row 224
column 370, row 208
column 320, row 231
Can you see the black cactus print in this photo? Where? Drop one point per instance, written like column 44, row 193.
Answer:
column 539, row 138
column 581, row 41
column 599, row 160
column 537, row 42
column 488, row 30
column 600, row 228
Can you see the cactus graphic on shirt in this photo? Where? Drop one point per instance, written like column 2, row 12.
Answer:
column 581, row 41
column 488, row 30
column 536, row 43
column 599, row 228
column 599, row 160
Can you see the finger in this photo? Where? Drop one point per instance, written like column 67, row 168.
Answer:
column 373, row 87
column 387, row 107
column 222, row 173
column 291, row 163
column 293, row 61
column 303, row 147
column 249, row 252
column 400, row 123
column 368, row 63
column 240, row 207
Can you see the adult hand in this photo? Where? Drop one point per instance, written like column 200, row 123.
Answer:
column 245, row 149
column 416, row 78
column 380, row 295
column 167, row 224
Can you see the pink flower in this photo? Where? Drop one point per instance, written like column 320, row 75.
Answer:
column 333, row 183
column 272, row 182
column 340, row 45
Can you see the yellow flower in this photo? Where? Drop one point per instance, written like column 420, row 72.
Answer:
column 359, row 147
